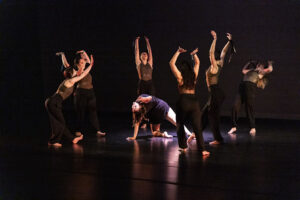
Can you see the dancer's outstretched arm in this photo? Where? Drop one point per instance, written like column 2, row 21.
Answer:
column 137, row 56
column 135, row 132
column 150, row 58
column 245, row 68
column 197, row 62
column 173, row 66
column 269, row 69
column 225, row 49
column 212, row 58
column 63, row 59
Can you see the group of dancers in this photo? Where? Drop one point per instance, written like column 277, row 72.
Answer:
column 84, row 99
column 147, row 108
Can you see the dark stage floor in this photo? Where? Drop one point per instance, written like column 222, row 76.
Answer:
column 264, row 167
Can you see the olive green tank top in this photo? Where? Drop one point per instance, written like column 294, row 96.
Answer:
column 64, row 91
column 146, row 72
column 86, row 82
column 212, row 79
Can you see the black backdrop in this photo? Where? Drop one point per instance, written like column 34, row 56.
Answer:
column 32, row 31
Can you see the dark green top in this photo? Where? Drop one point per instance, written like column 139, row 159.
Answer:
column 63, row 91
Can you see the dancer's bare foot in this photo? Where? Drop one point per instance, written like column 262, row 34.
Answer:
column 78, row 133
column 77, row 139
column 191, row 137
column 101, row 133
column 166, row 135
column 232, row 130
column 215, row 142
column 252, row 132
column 130, row 138
column 56, row 144
column 205, row 153
column 144, row 126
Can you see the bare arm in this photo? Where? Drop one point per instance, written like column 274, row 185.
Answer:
column 150, row 58
column 137, row 56
column 144, row 99
column 63, row 59
column 173, row 66
column 269, row 69
column 245, row 68
column 225, row 49
column 137, row 51
column 214, row 67
column 197, row 62
column 135, row 132
column 84, row 56
column 84, row 73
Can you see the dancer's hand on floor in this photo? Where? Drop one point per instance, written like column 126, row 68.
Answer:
column 130, row 138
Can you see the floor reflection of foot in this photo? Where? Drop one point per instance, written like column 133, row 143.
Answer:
column 77, row 139
column 99, row 133
column 232, row 136
column 56, row 144
column 78, row 149
column 215, row 142
column 232, row 130
column 253, row 132
column 191, row 137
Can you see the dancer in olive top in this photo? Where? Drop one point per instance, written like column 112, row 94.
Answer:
column 84, row 97
column 144, row 66
column 54, row 107
column 187, row 106
column 212, row 109
column 254, row 77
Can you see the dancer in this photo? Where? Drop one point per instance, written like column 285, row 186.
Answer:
column 84, row 97
column 211, row 110
column 144, row 66
column 187, row 105
column 254, row 77
column 54, row 107
column 155, row 110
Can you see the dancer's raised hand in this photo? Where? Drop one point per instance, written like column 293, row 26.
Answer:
column 181, row 50
column 59, row 53
column 214, row 34
column 229, row 36
column 194, row 52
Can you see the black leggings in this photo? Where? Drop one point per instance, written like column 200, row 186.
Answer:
column 57, row 122
column 86, row 99
column 145, row 87
column 245, row 96
column 187, row 108
column 211, row 111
